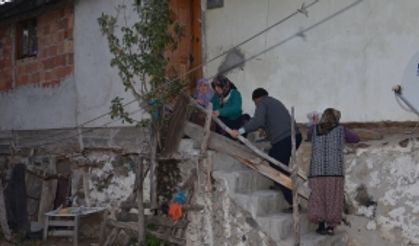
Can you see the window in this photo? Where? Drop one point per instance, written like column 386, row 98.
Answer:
column 26, row 40
column 212, row 4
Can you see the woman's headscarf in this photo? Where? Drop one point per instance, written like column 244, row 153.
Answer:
column 329, row 120
column 224, row 83
column 204, row 97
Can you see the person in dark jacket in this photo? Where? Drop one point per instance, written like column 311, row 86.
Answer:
column 272, row 116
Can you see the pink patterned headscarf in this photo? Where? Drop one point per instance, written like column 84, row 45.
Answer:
column 204, row 97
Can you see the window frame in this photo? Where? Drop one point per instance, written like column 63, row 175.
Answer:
column 26, row 43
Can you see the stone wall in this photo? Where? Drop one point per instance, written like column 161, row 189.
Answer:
column 381, row 186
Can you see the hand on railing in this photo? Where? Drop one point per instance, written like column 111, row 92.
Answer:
column 235, row 133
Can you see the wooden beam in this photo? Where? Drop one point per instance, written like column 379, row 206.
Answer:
column 294, row 178
column 3, row 215
column 153, row 170
column 49, row 189
column 86, row 187
column 43, row 174
column 207, row 130
column 203, row 162
column 252, row 147
column 139, row 195
column 240, row 152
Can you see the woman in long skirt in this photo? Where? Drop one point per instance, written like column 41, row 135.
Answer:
column 326, row 178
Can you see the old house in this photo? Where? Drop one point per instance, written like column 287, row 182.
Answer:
column 56, row 85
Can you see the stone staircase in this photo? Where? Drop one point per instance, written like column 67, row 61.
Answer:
column 250, row 190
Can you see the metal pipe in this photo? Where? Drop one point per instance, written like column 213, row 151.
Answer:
column 399, row 95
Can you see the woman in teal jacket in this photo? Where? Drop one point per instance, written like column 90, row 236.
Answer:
column 227, row 103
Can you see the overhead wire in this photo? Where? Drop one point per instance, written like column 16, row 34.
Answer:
column 301, row 10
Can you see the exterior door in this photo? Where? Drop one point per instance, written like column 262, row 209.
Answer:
column 187, row 56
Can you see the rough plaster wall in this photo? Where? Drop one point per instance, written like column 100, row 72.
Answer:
column 112, row 183
column 349, row 58
column 221, row 222
column 35, row 107
column 97, row 82
column 390, row 172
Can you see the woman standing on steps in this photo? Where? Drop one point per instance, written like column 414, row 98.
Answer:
column 326, row 177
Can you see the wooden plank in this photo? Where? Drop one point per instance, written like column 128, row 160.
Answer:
column 56, row 214
column 61, row 223
column 204, row 147
column 249, row 145
column 3, row 215
column 111, row 238
column 236, row 150
column 86, row 187
column 45, row 232
column 207, row 130
column 294, row 178
column 49, row 189
column 141, row 220
column 61, row 233
column 76, row 231
column 153, row 170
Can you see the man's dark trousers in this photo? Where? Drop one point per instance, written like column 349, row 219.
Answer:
column 281, row 151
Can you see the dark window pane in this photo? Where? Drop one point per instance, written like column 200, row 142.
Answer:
column 212, row 4
column 26, row 38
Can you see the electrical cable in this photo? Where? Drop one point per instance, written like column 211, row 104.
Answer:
column 301, row 10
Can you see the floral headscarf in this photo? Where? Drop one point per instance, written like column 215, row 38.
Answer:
column 203, row 97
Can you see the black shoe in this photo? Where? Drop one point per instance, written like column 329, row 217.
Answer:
column 321, row 229
column 330, row 230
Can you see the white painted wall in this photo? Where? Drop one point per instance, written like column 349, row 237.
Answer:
column 31, row 107
column 97, row 82
column 349, row 59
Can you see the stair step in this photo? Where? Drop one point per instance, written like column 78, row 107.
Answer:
column 250, row 181
column 280, row 225
column 313, row 239
column 223, row 162
column 242, row 181
column 249, row 189
column 261, row 202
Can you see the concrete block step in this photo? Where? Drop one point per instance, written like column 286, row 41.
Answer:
column 226, row 179
column 277, row 226
column 242, row 181
column 261, row 202
column 249, row 181
column 280, row 225
column 313, row 239
column 225, row 162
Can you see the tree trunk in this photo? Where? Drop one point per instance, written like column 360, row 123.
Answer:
column 141, row 222
column 153, row 169
column 3, row 215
